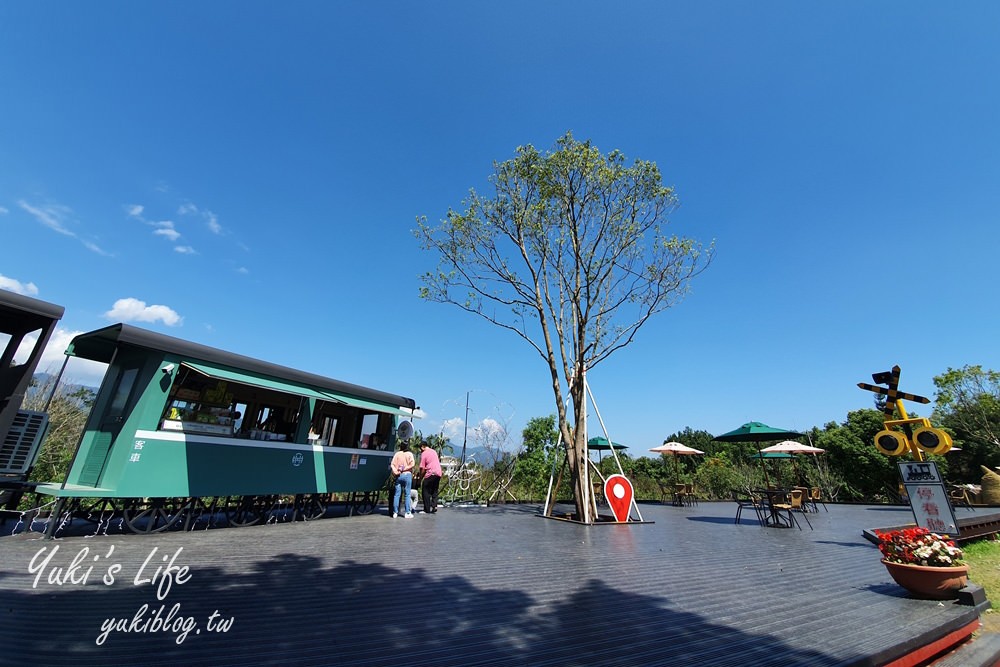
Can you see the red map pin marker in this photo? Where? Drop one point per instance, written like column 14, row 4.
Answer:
column 618, row 491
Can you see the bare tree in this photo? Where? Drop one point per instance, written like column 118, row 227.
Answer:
column 567, row 253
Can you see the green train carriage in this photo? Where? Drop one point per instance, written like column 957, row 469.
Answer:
column 181, row 431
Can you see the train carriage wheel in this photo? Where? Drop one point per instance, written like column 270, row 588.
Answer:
column 366, row 502
column 249, row 510
column 243, row 511
column 314, row 506
column 94, row 510
column 202, row 513
column 153, row 515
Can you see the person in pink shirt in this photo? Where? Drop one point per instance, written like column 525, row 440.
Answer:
column 430, row 471
column 402, row 467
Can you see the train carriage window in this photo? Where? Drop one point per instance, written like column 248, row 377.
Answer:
column 240, row 410
column 17, row 351
column 328, row 433
column 369, row 428
column 122, row 392
column 336, row 424
column 268, row 421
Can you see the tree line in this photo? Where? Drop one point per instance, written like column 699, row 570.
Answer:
column 851, row 469
column 967, row 405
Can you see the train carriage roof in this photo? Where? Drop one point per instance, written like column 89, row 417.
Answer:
column 100, row 345
column 21, row 314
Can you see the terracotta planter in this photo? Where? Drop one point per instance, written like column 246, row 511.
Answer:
column 930, row 583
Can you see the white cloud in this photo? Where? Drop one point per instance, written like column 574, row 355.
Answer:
column 3, row 211
column 185, row 250
column 55, row 217
column 89, row 245
column 134, row 310
column 169, row 234
column 78, row 371
column 163, row 228
column 211, row 220
column 452, row 428
column 213, row 223
column 167, row 231
column 16, row 286
column 490, row 428
column 52, row 216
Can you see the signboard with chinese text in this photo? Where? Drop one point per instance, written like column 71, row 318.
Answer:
column 928, row 499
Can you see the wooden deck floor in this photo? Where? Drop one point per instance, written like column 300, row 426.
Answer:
column 477, row 586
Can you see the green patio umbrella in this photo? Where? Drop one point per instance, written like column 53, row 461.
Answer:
column 599, row 444
column 603, row 444
column 757, row 432
column 767, row 456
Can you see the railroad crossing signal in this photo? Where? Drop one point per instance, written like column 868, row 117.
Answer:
column 891, row 378
column 890, row 442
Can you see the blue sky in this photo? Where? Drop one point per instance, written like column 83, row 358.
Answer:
column 247, row 175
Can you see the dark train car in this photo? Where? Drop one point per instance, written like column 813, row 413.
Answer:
column 179, row 430
column 26, row 325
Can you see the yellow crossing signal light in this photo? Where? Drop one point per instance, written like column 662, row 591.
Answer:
column 932, row 440
column 891, row 443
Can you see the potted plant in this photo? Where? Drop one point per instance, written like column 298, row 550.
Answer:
column 925, row 563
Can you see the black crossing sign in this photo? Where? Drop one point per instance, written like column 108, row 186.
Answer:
column 891, row 378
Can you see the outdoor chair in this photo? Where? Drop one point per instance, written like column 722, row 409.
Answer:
column 785, row 511
column 745, row 502
column 797, row 502
column 816, row 498
column 598, row 498
column 690, row 495
column 960, row 497
column 806, row 493
column 666, row 492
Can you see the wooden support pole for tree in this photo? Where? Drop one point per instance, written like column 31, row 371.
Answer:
column 554, row 488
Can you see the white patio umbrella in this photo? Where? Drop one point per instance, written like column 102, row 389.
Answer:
column 792, row 447
column 676, row 449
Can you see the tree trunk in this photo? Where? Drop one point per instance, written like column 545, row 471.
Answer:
column 577, row 456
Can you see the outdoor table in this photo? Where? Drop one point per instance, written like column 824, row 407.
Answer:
column 773, row 515
column 679, row 492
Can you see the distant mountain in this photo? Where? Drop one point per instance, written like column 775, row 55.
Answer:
column 479, row 454
column 42, row 383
